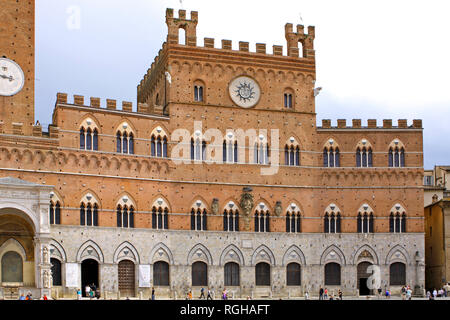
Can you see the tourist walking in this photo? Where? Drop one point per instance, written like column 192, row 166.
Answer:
column 153, row 293
column 78, row 294
column 87, row 290
column 321, row 293
column 325, row 294
column 340, row 294
column 434, row 294
column 209, row 297
column 202, row 293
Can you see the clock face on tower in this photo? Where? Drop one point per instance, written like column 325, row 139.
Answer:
column 245, row 92
column 12, row 78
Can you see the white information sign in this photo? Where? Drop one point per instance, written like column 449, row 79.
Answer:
column 144, row 276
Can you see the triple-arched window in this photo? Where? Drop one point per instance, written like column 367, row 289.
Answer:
column 292, row 153
column 230, row 149
column 89, row 211
column 396, row 154
column 125, row 216
column 293, row 219
column 397, row 219
column 261, row 151
column 198, row 149
column 364, row 157
column 331, row 155
column 262, row 218
column 160, row 218
column 199, row 217
column 88, row 135
column 159, row 143
column 332, row 219
column 365, row 219
column 159, row 147
column 231, row 218
column 125, row 139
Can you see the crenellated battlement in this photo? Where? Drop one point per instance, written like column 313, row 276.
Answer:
column 109, row 104
column 174, row 24
column 371, row 124
column 190, row 26
column 294, row 38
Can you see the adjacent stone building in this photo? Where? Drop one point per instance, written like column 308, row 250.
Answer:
column 437, row 213
column 219, row 177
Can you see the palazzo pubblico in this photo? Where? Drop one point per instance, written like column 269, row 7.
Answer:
column 219, row 177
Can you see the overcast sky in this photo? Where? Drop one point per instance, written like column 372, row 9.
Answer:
column 375, row 59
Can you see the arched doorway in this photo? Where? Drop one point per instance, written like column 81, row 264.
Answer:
column 199, row 274
column 363, row 274
column 89, row 275
column 127, row 278
column 262, row 274
column 12, row 268
column 56, row 272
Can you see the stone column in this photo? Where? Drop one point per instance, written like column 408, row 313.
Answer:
column 43, row 277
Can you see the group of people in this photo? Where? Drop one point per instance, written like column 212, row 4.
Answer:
column 91, row 291
column 406, row 293
column 209, row 295
column 29, row 296
column 324, row 295
column 441, row 293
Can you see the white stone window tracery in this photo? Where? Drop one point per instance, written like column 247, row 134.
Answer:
column 397, row 219
column 262, row 218
column 365, row 219
column 396, row 154
column 199, row 216
column 89, row 210
column 331, row 154
column 293, row 219
column 364, row 154
column 125, row 210
column 332, row 219
column 261, row 151
column 125, row 139
column 231, row 217
column 292, row 153
column 160, row 215
column 159, row 143
column 88, row 135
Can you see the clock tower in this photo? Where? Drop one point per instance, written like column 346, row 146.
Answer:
column 17, row 66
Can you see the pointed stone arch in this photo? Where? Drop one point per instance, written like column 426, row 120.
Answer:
column 57, row 251
column 125, row 199
column 397, row 254
column 161, row 252
column 126, row 251
column 365, row 254
column 94, row 123
column 165, row 202
column 294, row 254
column 90, row 250
column 333, row 254
column 199, row 253
column 263, row 254
column 95, row 198
column 232, row 254
column 15, row 246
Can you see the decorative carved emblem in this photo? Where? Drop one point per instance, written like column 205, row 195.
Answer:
column 246, row 204
column 366, row 254
column 278, row 208
column 215, row 206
